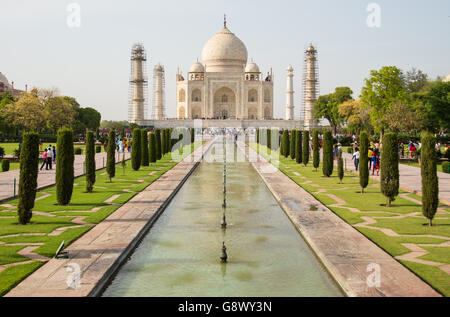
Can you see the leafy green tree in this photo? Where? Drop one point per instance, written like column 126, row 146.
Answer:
column 439, row 104
column 327, row 149
column 152, row 148
column 285, row 143
column 90, row 161
column 389, row 175
column 305, row 151
column 158, row 144
column 327, row 106
column 316, row 149
column 110, row 155
column 292, row 144
column 29, row 161
column 145, row 160
column 90, row 118
column 298, row 147
column 64, row 167
column 381, row 90
column 430, row 188
column 136, row 149
column 415, row 80
column 364, row 160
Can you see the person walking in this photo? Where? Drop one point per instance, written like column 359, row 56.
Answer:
column 44, row 160
column 356, row 158
column 49, row 157
column 54, row 154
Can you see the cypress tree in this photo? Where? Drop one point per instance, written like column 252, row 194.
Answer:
column 285, row 143
column 305, row 152
column 163, row 142
column 29, row 161
column 144, row 148
column 316, row 150
column 292, row 142
column 327, row 149
column 169, row 140
column 340, row 167
column 389, row 174
column 90, row 161
column 298, row 147
column 282, row 144
column 64, row 167
column 430, row 188
column 158, row 144
column 257, row 136
column 363, row 160
column 269, row 141
column 110, row 157
column 192, row 135
column 152, row 148
column 136, row 152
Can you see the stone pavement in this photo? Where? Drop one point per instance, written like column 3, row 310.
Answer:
column 410, row 179
column 100, row 252
column 47, row 178
column 347, row 254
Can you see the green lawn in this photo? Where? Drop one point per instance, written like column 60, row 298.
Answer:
column 52, row 216
column 410, row 227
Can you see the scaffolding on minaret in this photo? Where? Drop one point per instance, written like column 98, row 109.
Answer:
column 138, row 87
column 310, row 87
column 159, row 82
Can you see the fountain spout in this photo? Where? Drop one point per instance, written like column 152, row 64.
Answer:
column 224, row 256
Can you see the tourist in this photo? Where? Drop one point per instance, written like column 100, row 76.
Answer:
column 54, row 154
column 44, row 160
column 369, row 155
column 49, row 157
column 376, row 165
column 356, row 158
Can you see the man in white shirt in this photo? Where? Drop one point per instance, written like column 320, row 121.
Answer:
column 50, row 157
column 356, row 158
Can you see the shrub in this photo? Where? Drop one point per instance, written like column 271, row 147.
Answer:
column 327, row 149
column 144, row 148
column 64, row 168
column 136, row 149
column 363, row 160
column 152, row 148
column 98, row 149
column 90, row 161
column 2, row 152
column 29, row 160
column 292, row 143
column 446, row 167
column 5, row 165
column 110, row 155
column 285, row 143
column 305, row 151
column 430, row 188
column 316, row 149
column 340, row 168
column 158, row 143
column 389, row 174
column 78, row 151
column 298, row 147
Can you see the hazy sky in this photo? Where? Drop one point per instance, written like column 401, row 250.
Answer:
column 92, row 62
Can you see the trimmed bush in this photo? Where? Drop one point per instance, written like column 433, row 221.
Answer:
column 78, row 151
column 298, row 147
column 29, row 161
column 90, row 161
column 363, row 160
column 136, row 149
column 152, row 148
column 389, row 174
column 340, row 168
column 316, row 149
column 327, row 149
column 145, row 160
column 158, row 144
column 446, row 167
column 98, row 149
column 430, row 188
column 110, row 155
column 292, row 144
column 269, row 141
column 285, row 143
column 305, row 150
column 64, row 168
column 5, row 165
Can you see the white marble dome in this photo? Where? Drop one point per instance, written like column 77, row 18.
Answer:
column 224, row 52
column 447, row 79
column 197, row 67
column 252, row 68
column 4, row 80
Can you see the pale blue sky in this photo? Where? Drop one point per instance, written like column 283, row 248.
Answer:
column 92, row 63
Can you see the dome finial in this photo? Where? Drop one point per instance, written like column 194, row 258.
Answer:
column 224, row 20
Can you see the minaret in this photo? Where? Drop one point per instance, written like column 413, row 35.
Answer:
column 290, row 93
column 310, row 87
column 138, row 84
column 158, row 93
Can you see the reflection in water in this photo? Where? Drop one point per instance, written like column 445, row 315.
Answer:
column 180, row 254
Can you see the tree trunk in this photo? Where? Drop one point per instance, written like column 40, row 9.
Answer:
column 388, row 202
column 430, row 222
